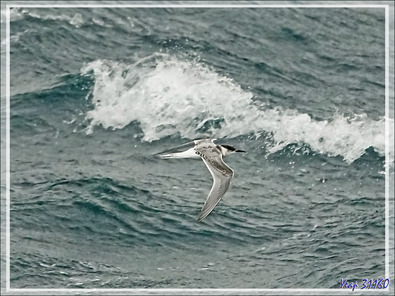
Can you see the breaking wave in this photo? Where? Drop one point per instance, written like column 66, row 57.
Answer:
column 168, row 96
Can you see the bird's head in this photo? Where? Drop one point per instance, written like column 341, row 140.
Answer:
column 227, row 150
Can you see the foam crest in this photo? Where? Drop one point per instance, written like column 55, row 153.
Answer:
column 168, row 96
column 19, row 13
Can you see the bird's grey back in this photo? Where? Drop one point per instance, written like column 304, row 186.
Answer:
column 211, row 153
column 207, row 148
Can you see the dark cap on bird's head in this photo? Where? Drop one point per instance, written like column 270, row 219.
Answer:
column 231, row 148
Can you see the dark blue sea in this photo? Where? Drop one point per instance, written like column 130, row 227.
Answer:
column 96, row 92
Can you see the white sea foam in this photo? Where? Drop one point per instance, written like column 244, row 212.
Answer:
column 19, row 13
column 168, row 96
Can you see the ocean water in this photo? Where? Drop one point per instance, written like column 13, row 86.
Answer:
column 96, row 92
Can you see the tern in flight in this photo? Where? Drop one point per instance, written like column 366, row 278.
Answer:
column 212, row 155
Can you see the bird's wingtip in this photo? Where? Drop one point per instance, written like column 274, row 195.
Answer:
column 200, row 218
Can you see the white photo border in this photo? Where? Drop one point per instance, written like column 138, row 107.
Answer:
column 388, row 6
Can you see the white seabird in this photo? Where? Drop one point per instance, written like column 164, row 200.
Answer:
column 211, row 154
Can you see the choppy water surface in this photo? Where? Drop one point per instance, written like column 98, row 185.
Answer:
column 96, row 92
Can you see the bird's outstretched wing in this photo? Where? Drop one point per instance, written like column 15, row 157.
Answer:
column 177, row 151
column 222, row 175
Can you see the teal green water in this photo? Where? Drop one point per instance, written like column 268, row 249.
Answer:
column 96, row 92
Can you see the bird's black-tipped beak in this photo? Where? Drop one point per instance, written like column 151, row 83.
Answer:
column 241, row 151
